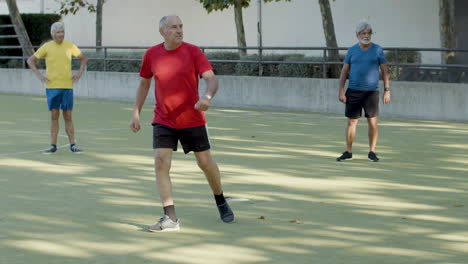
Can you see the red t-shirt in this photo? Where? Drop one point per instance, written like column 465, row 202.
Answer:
column 176, row 74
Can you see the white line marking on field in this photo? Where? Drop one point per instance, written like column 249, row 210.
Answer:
column 237, row 199
column 28, row 132
column 12, row 132
column 104, row 129
column 26, row 152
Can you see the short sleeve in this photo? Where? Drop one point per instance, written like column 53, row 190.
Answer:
column 41, row 52
column 145, row 70
column 381, row 56
column 347, row 58
column 201, row 61
column 75, row 51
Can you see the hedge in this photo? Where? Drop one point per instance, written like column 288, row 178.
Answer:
column 283, row 69
column 404, row 56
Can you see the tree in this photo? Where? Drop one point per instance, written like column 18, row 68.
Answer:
column 20, row 30
column 330, row 37
column 72, row 6
column 219, row 5
column 447, row 29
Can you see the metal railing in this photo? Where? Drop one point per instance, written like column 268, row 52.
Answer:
column 324, row 63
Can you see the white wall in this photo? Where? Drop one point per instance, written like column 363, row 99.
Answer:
column 397, row 23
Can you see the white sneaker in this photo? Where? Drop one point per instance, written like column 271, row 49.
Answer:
column 165, row 224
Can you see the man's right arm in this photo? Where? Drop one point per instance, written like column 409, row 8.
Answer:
column 32, row 65
column 141, row 95
column 343, row 77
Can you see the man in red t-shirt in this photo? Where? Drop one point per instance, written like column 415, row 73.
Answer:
column 178, row 115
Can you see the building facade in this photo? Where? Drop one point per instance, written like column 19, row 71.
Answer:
column 397, row 23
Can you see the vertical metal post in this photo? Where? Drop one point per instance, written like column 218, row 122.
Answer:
column 324, row 67
column 23, row 61
column 42, row 7
column 259, row 28
column 397, row 65
column 105, row 59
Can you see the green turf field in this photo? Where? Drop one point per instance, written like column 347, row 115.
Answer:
column 303, row 206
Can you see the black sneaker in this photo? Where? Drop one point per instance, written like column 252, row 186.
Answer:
column 345, row 156
column 372, row 157
column 225, row 212
column 51, row 150
column 75, row 149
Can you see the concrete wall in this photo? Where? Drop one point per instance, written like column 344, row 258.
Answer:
column 432, row 101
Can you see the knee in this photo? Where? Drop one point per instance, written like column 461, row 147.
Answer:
column 54, row 116
column 205, row 163
column 353, row 122
column 372, row 123
column 67, row 117
column 162, row 164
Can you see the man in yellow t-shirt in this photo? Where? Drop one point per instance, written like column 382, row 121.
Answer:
column 59, row 82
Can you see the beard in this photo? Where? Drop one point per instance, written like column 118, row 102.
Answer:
column 364, row 41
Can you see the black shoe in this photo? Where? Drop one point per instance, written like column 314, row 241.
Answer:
column 225, row 212
column 372, row 157
column 51, row 150
column 345, row 156
column 75, row 149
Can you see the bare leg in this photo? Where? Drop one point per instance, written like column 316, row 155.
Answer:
column 67, row 116
column 54, row 125
column 373, row 133
column 162, row 164
column 351, row 133
column 211, row 170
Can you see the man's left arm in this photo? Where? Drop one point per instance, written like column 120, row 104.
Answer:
column 386, row 81
column 83, row 60
column 211, row 88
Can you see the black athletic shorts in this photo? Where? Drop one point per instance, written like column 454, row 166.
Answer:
column 357, row 100
column 192, row 139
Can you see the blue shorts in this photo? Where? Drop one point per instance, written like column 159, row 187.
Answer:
column 60, row 99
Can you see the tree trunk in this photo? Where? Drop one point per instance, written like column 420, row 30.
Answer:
column 19, row 28
column 99, row 6
column 240, row 27
column 330, row 37
column 447, row 29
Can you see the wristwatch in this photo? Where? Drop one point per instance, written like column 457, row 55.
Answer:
column 386, row 88
column 208, row 96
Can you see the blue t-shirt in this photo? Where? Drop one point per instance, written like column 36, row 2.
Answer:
column 364, row 67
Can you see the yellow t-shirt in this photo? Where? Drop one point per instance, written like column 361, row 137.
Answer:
column 58, row 62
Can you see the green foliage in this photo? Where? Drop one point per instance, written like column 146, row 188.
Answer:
column 114, row 65
column 219, row 5
column 72, row 6
column 404, row 56
column 268, row 69
column 283, row 69
column 220, row 68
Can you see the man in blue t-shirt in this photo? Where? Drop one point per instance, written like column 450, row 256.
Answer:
column 362, row 62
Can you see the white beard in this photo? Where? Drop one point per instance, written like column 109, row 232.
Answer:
column 364, row 42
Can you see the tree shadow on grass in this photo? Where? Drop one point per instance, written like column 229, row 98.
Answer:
column 300, row 205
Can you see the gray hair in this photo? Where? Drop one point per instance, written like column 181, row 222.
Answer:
column 363, row 26
column 55, row 27
column 164, row 20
